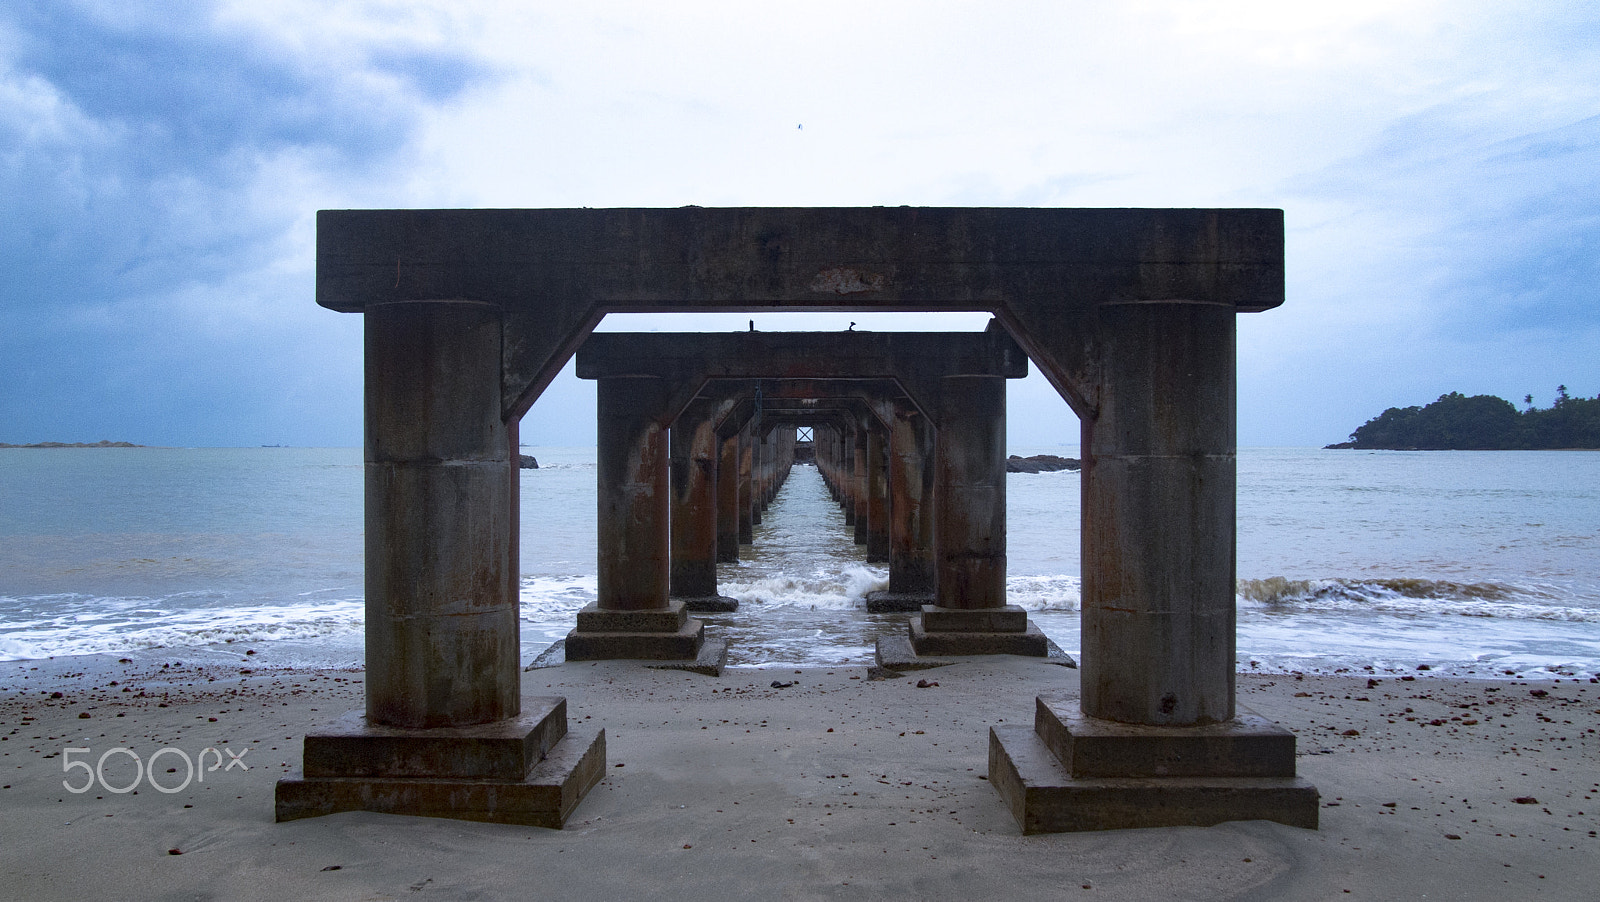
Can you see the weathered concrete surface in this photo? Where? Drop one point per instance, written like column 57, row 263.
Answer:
column 1029, row 640
column 894, row 652
column 631, row 477
column 913, row 571
column 1045, row 798
column 546, row 797
column 528, row 769
column 728, row 499
column 442, row 640
column 1006, row 619
column 1158, row 518
column 504, row 750
column 557, row 272
column 680, row 644
column 663, row 634
column 970, row 493
column 693, row 451
column 1072, row 772
column 1128, row 313
column 1247, row 746
column 877, row 488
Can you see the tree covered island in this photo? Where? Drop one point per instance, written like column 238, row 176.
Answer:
column 1457, row 422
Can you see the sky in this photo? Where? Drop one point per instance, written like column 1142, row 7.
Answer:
column 161, row 164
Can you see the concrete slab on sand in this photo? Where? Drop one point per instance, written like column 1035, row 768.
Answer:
column 895, row 652
column 709, row 661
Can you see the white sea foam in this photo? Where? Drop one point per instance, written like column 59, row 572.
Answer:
column 821, row 589
column 122, row 625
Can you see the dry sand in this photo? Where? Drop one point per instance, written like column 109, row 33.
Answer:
column 835, row 787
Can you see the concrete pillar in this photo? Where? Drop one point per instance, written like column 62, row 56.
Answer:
column 1157, row 738
column 971, row 616
column 444, row 732
column 1158, row 518
column 970, row 497
column 747, row 506
column 877, row 495
column 693, row 451
column 847, row 473
column 858, row 481
column 912, row 568
column 763, row 471
column 634, row 616
column 632, row 488
column 728, row 500
column 441, row 586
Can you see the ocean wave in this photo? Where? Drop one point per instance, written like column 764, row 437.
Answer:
column 822, row 589
column 1411, row 596
column 129, row 630
column 1045, row 593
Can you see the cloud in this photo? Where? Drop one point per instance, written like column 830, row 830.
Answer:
column 161, row 166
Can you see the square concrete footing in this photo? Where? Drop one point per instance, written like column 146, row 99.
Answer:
column 711, row 660
column 1027, row 640
column 667, row 638
column 895, row 652
column 886, row 602
column 527, row 770
column 1071, row 772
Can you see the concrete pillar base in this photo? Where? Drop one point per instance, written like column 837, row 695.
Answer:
column 885, row 602
column 895, row 652
column 977, row 631
column 708, row 604
column 526, row 770
column 1072, row 772
column 1031, row 642
column 1007, row 619
column 660, row 634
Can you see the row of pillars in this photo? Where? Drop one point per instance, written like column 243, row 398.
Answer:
column 673, row 501
column 469, row 314
column 676, row 500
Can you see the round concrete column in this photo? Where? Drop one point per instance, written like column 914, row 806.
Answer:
column 1158, row 518
column 911, row 491
column 441, row 582
column 859, row 499
column 970, row 499
column 631, row 476
column 728, row 500
column 747, row 504
column 847, row 473
column 694, row 449
column 877, row 495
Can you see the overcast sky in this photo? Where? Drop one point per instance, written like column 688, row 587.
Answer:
column 161, row 164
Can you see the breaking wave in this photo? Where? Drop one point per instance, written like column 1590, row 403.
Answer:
column 1410, row 596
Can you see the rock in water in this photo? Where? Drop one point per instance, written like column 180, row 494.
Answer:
column 1040, row 463
column 527, row 462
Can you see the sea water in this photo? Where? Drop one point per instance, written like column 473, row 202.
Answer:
column 1472, row 563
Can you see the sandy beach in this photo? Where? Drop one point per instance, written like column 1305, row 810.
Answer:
column 837, row 786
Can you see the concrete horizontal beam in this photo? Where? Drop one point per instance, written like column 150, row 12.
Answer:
column 839, row 258
column 800, row 355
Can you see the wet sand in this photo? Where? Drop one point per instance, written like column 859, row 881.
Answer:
column 838, row 786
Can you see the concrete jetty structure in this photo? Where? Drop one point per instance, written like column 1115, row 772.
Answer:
column 1129, row 313
column 957, row 380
